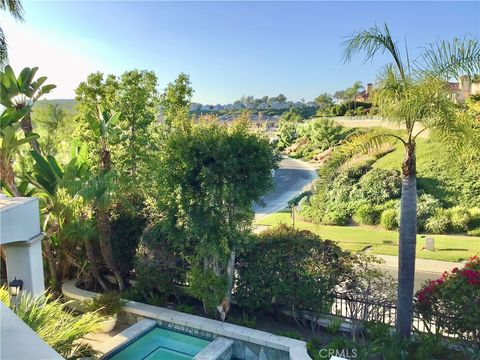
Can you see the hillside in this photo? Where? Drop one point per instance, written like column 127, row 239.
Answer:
column 67, row 104
column 439, row 173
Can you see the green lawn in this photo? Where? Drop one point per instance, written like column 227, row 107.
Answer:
column 448, row 247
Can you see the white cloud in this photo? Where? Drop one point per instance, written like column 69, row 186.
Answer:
column 65, row 61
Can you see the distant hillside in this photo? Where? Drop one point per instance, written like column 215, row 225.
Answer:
column 67, row 104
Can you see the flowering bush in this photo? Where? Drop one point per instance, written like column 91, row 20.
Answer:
column 453, row 301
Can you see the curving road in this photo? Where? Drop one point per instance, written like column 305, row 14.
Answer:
column 290, row 179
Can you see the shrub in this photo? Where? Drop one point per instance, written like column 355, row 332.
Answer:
column 336, row 217
column 460, row 218
column 367, row 214
column 157, row 263
column 289, row 268
column 439, row 223
column 474, row 222
column 379, row 185
column 452, row 301
column 389, row 219
column 427, row 206
column 107, row 304
column 474, row 232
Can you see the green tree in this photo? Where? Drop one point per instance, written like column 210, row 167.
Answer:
column 55, row 127
column 176, row 100
column 352, row 92
column 406, row 98
column 134, row 94
column 15, row 8
column 324, row 101
column 209, row 176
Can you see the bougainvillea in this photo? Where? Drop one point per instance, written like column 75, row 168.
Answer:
column 452, row 302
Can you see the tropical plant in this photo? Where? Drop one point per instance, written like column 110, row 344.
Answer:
column 408, row 96
column 106, row 304
column 55, row 323
column 100, row 188
column 58, row 187
column 21, row 93
column 9, row 145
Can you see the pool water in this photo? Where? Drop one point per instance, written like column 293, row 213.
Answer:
column 162, row 344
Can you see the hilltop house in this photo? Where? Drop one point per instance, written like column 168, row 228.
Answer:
column 366, row 94
column 464, row 88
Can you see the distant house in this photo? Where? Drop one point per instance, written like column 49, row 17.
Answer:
column 263, row 106
column 365, row 95
column 464, row 88
column 298, row 105
column 195, row 107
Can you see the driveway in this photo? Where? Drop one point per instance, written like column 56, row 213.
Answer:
column 290, row 179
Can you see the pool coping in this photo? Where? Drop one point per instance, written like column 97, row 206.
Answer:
column 297, row 349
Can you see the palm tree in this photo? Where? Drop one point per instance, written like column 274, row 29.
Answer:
column 353, row 91
column 410, row 95
column 100, row 188
column 15, row 8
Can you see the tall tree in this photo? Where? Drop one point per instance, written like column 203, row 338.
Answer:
column 209, row 176
column 176, row 100
column 15, row 8
column 407, row 96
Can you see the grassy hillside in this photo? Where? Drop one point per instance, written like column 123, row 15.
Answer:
column 440, row 174
column 448, row 247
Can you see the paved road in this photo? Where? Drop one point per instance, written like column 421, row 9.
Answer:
column 424, row 269
column 290, row 179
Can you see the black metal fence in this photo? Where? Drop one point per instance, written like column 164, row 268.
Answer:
column 383, row 312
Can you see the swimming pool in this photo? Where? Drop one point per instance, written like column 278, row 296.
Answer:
column 161, row 344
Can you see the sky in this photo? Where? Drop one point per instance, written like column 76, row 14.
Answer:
column 228, row 48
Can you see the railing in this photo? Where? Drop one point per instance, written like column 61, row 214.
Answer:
column 360, row 310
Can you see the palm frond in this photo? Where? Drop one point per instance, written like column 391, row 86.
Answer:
column 450, row 59
column 14, row 7
column 359, row 143
column 372, row 41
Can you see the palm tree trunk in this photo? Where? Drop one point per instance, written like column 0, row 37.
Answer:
column 27, row 128
column 52, row 265
column 407, row 243
column 94, row 266
column 106, row 246
column 8, row 176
